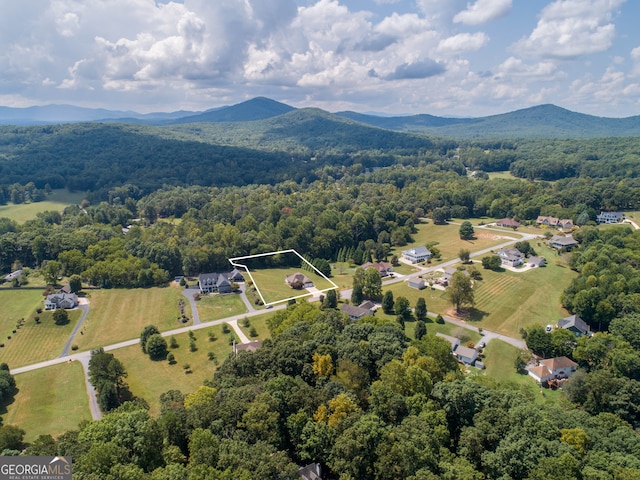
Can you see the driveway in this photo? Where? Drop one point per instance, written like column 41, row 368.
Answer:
column 84, row 306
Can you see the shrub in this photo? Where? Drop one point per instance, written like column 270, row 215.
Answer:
column 439, row 319
column 186, row 366
column 74, row 347
column 211, row 355
column 225, row 328
column 192, row 345
column 173, row 343
column 253, row 332
column 211, row 335
column 171, row 358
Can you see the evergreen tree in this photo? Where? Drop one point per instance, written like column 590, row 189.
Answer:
column 387, row 302
column 421, row 309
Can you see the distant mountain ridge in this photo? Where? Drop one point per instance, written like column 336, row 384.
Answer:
column 542, row 121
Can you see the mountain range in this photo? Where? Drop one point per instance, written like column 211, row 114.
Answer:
column 542, row 121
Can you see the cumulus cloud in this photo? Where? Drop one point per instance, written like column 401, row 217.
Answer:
column 483, row 11
column 572, row 28
column 421, row 69
column 463, row 42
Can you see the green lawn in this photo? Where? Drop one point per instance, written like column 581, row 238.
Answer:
column 50, row 400
column 215, row 306
column 271, row 283
column 34, row 342
column 57, row 201
column 116, row 315
column 259, row 322
column 449, row 242
column 16, row 304
column 149, row 379
column 507, row 301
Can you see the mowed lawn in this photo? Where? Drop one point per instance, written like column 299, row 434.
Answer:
column 507, row 301
column 270, row 282
column 215, row 306
column 57, row 201
column 35, row 342
column 116, row 315
column 16, row 304
column 149, row 379
column 50, row 400
column 449, row 242
column 259, row 322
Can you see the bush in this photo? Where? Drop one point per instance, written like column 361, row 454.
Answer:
column 211, row 335
column 211, row 356
column 225, row 328
column 192, row 345
column 253, row 332
column 74, row 347
column 171, row 358
column 439, row 319
column 173, row 343
column 245, row 322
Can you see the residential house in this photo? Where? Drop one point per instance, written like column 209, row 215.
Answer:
column 610, row 217
column 61, row 300
column 511, row 257
column 565, row 224
column 235, row 276
column 298, row 279
column 455, row 342
column 417, row 283
column 466, row 355
column 312, row 471
column 562, row 241
column 547, row 221
column 246, row 347
column 553, row 368
column 417, row 254
column 369, row 305
column 537, row 261
column 508, row 222
column 384, row 269
column 214, row 282
column 448, row 273
column 355, row 313
column 574, row 324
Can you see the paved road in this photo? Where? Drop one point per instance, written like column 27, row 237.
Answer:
column 84, row 358
column 67, row 346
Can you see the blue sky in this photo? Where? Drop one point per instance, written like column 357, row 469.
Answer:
column 442, row 57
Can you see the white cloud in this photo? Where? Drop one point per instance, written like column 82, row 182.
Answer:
column 463, row 42
column 483, row 11
column 572, row 28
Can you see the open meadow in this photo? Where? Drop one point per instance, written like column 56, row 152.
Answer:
column 116, row 315
column 149, row 379
column 50, row 400
column 35, row 342
column 57, row 201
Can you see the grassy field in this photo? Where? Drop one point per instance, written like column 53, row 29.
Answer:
column 16, row 304
column 57, row 201
column 449, row 242
column 259, row 322
column 507, row 301
column 50, row 400
column 149, row 379
column 116, row 315
column 215, row 306
column 37, row 342
column 273, row 287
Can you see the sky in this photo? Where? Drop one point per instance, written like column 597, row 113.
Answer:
column 466, row 58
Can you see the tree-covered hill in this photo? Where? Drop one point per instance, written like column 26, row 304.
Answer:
column 255, row 109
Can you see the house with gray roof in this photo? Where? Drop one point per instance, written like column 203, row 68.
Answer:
column 355, row 313
column 511, row 257
column 466, row 355
column 562, row 241
column 61, row 300
column 214, row 282
column 417, row 254
column 298, row 279
column 537, row 261
column 12, row 276
column 417, row 283
column 610, row 217
column 455, row 342
column 574, row 324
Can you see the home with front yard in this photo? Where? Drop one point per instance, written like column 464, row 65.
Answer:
column 562, row 241
column 60, row 300
column 355, row 313
column 417, row 254
column 417, row 283
column 552, row 369
column 609, row 217
column 384, row 269
column 574, row 324
column 508, row 222
column 511, row 257
column 536, row 261
column 298, row 281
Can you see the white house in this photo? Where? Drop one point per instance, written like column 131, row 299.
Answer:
column 61, row 300
column 511, row 257
column 466, row 355
column 553, row 368
column 417, row 254
column 609, row 217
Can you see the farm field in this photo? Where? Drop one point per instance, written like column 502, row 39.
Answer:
column 57, row 201
column 149, row 379
column 34, row 342
column 216, row 306
column 50, row 400
column 271, row 283
column 507, row 301
column 116, row 315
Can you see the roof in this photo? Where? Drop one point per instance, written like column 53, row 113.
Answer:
column 563, row 240
column 540, row 371
column 12, row 275
column 508, row 222
column 380, row 266
column 558, row 363
column 417, row 251
column 549, row 220
column 466, row 352
column 297, row 277
column 573, row 321
column 368, row 304
column 417, row 281
column 536, row 260
column 355, row 312
column 452, row 340
column 249, row 347
column 512, row 252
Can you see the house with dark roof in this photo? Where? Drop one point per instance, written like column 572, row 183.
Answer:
column 511, row 257
column 508, row 222
column 384, row 269
column 610, row 217
column 355, row 313
column 246, row 347
column 562, row 241
column 61, row 300
column 417, row 254
column 574, row 324
column 552, row 368
column 214, row 282
column 300, row 279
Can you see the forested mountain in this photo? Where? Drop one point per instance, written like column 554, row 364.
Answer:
column 543, row 121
